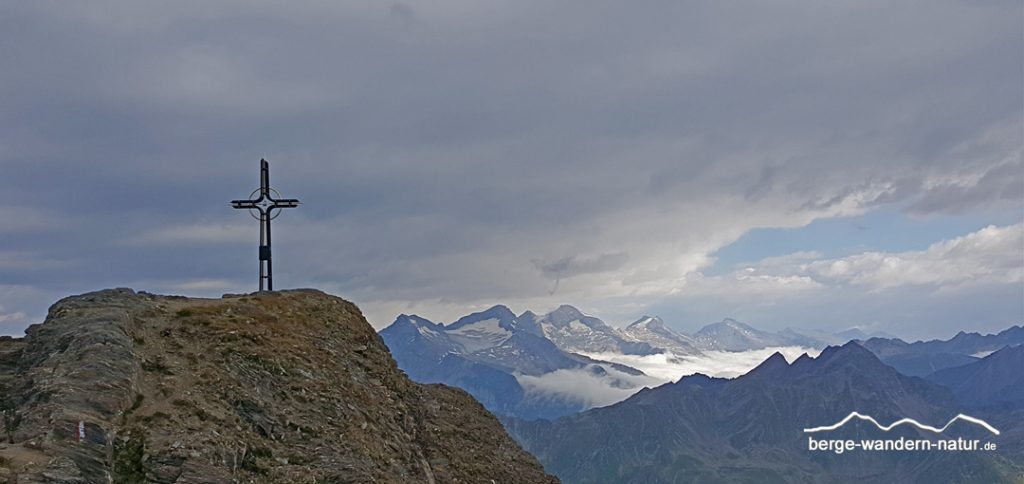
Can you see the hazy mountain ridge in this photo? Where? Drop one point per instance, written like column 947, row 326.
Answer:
column 996, row 380
column 923, row 358
column 996, row 384
column 732, row 335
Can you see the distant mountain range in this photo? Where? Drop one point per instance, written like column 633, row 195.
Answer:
column 486, row 354
column 493, row 354
column 551, row 365
column 925, row 357
column 749, row 429
column 726, row 335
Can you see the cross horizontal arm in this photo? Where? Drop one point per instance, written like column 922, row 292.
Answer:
column 286, row 203
column 244, row 204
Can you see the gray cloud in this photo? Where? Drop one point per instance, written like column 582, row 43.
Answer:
column 403, row 13
column 441, row 151
column 999, row 182
column 572, row 265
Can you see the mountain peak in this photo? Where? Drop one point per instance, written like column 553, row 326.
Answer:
column 500, row 308
column 1011, row 330
column 647, row 322
column 727, row 323
column 732, row 323
column 774, row 363
column 802, row 359
column 414, row 321
column 852, row 334
column 564, row 314
column 732, row 335
column 503, row 314
column 850, row 352
column 831, row 359
column 853, row 347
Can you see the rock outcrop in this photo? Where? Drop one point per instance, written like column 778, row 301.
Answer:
column 293, row 386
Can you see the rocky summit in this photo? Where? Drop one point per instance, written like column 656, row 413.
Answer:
column 292, row 386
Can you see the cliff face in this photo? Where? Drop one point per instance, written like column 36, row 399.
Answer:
column 290, row 386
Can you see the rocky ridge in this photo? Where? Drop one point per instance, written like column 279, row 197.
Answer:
column 294, row 386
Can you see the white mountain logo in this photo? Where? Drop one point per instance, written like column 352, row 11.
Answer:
column 886, row 428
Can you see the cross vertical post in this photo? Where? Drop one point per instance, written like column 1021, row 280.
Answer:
column 264, row 205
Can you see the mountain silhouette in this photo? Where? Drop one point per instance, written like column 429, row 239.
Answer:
column 923, row 358
column 750, row 429
column 996, row 380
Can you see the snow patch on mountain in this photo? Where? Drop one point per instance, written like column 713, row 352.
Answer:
column 480, row 335
column 983, row 354
column 427, row 332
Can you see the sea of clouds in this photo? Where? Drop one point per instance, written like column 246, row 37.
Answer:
column 591, row 387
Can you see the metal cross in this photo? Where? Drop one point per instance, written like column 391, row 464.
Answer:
column 265, row 204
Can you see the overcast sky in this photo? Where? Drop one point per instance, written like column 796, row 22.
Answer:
column 809, row 164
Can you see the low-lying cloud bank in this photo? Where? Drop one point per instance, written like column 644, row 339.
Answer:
column 594, row 386
column 723, row 364
column 588, row 387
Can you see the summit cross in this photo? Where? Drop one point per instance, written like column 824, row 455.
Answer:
column 265, row 204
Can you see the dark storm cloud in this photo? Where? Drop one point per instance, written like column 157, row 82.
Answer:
column 442, row 148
